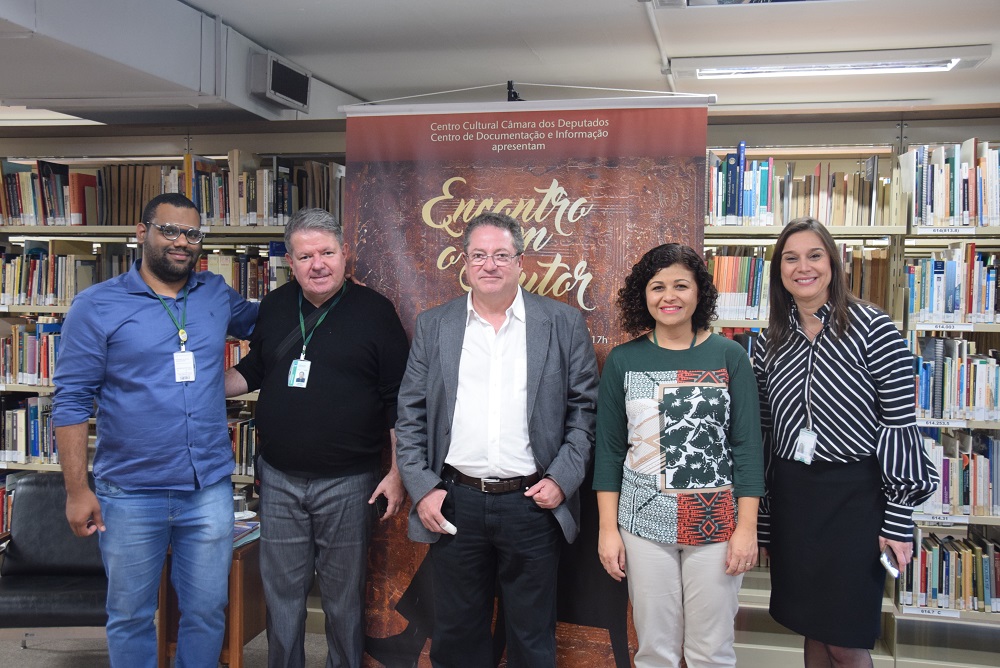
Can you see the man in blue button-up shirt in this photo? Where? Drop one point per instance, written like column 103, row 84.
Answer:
column 147, row 346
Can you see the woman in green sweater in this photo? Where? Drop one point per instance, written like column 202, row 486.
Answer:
column 679, row 465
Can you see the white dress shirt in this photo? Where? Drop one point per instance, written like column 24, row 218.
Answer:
column 489, row 433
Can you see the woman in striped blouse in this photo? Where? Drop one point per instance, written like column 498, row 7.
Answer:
column 845, row 466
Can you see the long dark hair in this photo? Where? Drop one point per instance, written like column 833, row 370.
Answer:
column 779, row 327
column 633, row 314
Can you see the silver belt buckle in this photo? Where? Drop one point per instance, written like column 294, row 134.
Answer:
column 485, row 481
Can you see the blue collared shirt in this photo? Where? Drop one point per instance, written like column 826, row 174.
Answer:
column 117, row 347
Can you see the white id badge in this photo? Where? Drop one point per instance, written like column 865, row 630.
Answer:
column 184, row 366
column 805, row 447
column 298, row 373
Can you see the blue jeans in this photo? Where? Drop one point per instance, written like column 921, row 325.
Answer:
column 505, row 538
column 198, row 525
column 322, row 526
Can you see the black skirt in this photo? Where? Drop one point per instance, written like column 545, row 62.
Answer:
column 826, row 579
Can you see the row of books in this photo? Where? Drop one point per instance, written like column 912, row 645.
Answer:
column 245, row 531
column 251, row 274
column 268, row 194
column 242, row 436
column 52, row 273
column 742, row 276
column 968, row 464
column 745, row 336
column 236, row 349
column 8, row 485
column 28, row 356
column 954, row 285
column 28, row 435
column 38, row 279
column 245, row 191
column 952, row 185
column 47, row 193
column 952, row 573
column 43, row 280
column 954, row 382
column 751, row 192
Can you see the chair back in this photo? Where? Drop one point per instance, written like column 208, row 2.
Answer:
column 41, row 542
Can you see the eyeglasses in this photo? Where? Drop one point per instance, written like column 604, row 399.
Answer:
column 171, row 232
column 499, row 259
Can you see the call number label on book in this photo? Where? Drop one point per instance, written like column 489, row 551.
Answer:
column 931, row 612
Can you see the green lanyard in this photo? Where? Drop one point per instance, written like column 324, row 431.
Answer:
column 181, row 332
column 302, row 321
column 694, row 340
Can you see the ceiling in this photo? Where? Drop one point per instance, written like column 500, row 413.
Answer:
column 380, row 50
column 376, row 50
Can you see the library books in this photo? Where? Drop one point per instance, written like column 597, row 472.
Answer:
column 279, row 272
column 242, row 437
column 757, row 192
column 83, row 194
column 955, row 573
column 954, row 285
column 953, row 185
column 245, row 531
column 740, row 274
column 970, row 478
column 47, row 279
column 13, row 436
column 954, row 382
column 245, row 190
column 20, row 185
column 8, row 487
column 28, row 355
column 28, row 432
column 247, row 273
column 236, row 349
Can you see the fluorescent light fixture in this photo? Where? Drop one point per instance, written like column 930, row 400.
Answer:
column 22, row 116
column 892, row 61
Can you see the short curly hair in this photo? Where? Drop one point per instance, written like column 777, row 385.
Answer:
column 633, row 314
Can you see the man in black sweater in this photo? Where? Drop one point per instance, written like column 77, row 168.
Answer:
column 327, row 356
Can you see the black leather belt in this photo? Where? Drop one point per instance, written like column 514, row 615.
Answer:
column 490, row 485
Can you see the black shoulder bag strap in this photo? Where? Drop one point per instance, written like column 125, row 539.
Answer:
column 295, row 335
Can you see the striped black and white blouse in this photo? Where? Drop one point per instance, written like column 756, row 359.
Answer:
column 862, row 403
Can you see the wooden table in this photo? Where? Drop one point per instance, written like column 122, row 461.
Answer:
column 246, row 615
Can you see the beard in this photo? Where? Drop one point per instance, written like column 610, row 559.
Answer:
column 160, row 265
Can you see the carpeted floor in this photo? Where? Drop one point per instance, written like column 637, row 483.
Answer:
column 93, row 653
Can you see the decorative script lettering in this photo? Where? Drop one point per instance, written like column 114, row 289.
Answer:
column 553, row 215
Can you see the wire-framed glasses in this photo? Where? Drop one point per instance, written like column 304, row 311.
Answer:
column 501, row 259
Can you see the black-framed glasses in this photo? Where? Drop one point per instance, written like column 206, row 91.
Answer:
column 501, row 259
column 171, row 232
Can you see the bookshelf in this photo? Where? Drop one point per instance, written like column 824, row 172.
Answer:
column 37, row 208
column 912, row 636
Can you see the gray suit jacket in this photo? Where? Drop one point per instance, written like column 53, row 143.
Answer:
column 562, row 397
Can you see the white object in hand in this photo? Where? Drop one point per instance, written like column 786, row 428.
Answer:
column 449, row 527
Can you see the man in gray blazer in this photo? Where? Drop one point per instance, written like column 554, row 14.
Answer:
column 494, row 433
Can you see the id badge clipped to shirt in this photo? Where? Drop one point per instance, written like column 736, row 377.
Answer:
column 184, row 369
column 298, row 373
column 805, row 446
